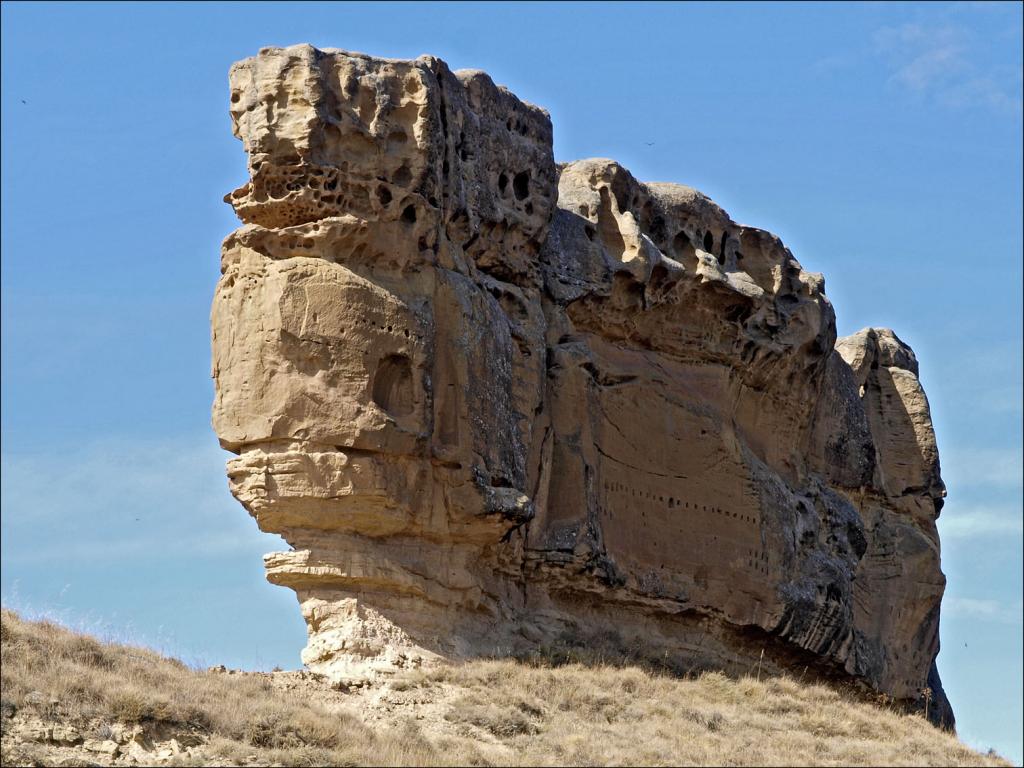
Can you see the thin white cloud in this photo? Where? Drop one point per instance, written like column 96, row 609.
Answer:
column 123, row 498
column 828, row 65
column 983, row 609
column 940, row 61
column 982, row 468
column 1006, row 400
column 129, row 547
column 957, row 523
column 981, row 92
column 923, row 56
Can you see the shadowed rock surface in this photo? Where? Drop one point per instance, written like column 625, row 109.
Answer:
column 491, row 401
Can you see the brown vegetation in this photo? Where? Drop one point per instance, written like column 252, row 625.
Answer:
column 69, row 699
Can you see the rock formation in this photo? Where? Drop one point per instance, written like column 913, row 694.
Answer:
column 491, row 401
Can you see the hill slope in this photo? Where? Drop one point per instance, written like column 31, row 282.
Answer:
column 68, row 699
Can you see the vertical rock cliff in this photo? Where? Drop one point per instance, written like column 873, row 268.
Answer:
column 490, row 401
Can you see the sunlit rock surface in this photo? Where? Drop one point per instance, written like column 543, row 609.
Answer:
column 491, row 401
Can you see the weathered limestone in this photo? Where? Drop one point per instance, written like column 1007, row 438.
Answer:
column 490, row 401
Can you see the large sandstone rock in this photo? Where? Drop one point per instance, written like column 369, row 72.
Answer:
column 491, row 402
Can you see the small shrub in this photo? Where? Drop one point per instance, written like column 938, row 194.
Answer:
column 503, row 722
column 195, row 716
column 128, row 708
column 263, row 731
column 86, row 651
column 712, row 721
column 133, row 708
column 319, row 731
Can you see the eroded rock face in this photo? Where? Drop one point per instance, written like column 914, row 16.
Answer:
column 490, row 401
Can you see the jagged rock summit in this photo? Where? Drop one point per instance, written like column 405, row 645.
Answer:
column 492, row 402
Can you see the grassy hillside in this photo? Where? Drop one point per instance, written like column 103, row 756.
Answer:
column 68, row 699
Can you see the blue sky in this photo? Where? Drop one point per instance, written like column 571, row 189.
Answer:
column 882, row 142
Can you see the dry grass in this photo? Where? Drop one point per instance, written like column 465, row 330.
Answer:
column 84, row 682
column 612, row 716
column 499, row 712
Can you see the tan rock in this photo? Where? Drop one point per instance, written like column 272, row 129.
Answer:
column 124, row 734
column 65, row 734
column 137, row 752
column 484, row 420
column 33, row 730
column 36, row 699
column 105, row 747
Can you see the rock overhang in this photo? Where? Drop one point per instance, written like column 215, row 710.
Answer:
column 487, row 398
